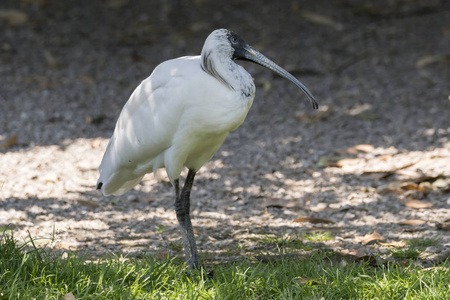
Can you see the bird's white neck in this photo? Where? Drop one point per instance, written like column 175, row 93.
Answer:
column 224, row 69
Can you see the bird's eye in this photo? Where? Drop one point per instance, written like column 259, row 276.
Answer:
column 233, row 39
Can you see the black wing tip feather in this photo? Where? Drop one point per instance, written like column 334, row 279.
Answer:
column 99, row 185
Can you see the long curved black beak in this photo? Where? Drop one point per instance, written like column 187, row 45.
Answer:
column 246, row 52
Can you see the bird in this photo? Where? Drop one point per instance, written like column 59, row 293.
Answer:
column 178, row 118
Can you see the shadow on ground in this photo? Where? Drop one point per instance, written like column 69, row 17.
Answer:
column 379, row 70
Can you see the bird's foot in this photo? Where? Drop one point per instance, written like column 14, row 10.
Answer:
column 200, row 270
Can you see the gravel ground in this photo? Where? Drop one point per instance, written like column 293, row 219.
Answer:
column 373, row 158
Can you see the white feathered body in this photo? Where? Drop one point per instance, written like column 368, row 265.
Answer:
column 179, row 116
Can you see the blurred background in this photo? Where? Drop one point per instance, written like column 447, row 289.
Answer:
column 380, row 71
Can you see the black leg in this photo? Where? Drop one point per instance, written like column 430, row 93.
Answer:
column 182, row 208
column 186, row 200
column 181, row 220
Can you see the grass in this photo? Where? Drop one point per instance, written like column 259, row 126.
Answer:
column 29, row 272
column 414, row 247
column 277, row 243
column 289, row 243
column 319, row 236
column 422, row 243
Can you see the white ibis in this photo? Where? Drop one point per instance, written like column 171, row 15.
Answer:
column 179, row 117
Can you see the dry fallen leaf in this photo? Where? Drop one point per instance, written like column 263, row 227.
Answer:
column 356, row 253
column 317, row 18
column 312, row 220
column 323, row 228
column 44, row 82
column 412, row 222
column 375, row 236
column 97, row 119
column 49, row 177
column 321, row 114
column 349, row 162
column 280, row 203
column 445, row 225
column 319, row 207
column 52, row 62
column 96, row 144
column 69, row 296
column 408, row 186
column 63, row 245
column 9, row 142
column 324, row 162
column 234, row 172
column 425, row 186
column 440, row 183
column 86, row 79
column 397, row 244
column 267, row 214
column 13, row 16
column 274, row 203
column 417, row 204
column 385, row 157
column 415, row 175
column 427, row 60
column 88, row 203
column 366, row 148
column 399, row 187
column 387, row 163
column 265, row 84
column 347, row 256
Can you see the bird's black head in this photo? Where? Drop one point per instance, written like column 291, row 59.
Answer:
column 239, row 45
column 228, row 43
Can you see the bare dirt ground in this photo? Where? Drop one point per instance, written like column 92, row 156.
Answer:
column 375, row 157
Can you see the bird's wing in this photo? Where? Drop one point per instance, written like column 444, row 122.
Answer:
column 146, row 127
